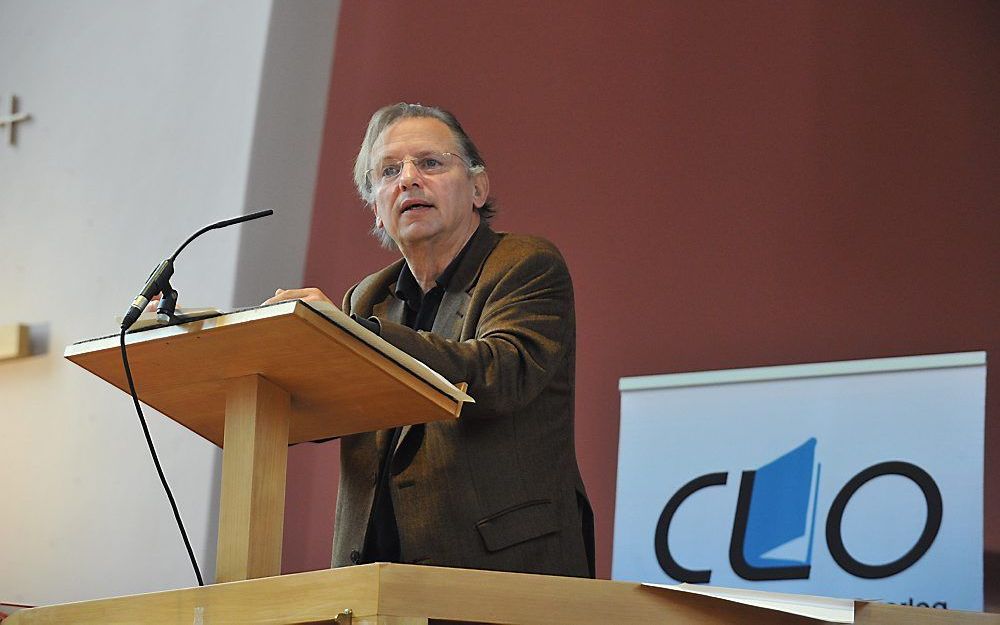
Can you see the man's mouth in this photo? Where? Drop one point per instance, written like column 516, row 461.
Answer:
column 414, row 205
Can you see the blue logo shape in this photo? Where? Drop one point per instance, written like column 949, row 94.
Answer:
column 772, row 512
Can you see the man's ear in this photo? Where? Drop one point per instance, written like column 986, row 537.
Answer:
column 378, row 220
column 480, row 189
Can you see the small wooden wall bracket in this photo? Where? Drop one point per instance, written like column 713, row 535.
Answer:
column 14, row 341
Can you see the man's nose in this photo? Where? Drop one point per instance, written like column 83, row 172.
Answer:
column 408, row 173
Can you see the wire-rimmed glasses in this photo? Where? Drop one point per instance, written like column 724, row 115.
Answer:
column 430, row 164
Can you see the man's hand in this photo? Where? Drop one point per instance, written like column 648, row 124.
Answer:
column 153, row 303
column 308, row 294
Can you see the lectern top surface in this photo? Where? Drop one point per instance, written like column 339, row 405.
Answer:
column 342, row 378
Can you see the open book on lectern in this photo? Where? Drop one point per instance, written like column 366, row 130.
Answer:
column 411, row 364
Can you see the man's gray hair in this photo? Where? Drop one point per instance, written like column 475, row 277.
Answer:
column 388, row 115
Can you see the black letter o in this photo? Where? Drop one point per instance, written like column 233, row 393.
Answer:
column 935, row 509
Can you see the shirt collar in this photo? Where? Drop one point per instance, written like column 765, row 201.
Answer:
column 409, row 290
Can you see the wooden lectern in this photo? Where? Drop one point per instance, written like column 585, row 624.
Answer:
column 254, row 382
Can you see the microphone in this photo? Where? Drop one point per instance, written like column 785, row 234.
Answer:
column 159, row 280
column 154, row 284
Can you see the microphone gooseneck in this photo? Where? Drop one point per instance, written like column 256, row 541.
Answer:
column 159, row 280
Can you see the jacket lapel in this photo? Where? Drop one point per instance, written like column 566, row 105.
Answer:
column 467, row 275
column 391, row 308
column 455, row 302
column 450, row 314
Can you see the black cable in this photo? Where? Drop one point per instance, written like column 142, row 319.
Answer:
column 156, row 461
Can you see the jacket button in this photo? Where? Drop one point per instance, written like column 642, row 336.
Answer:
column 355, row 556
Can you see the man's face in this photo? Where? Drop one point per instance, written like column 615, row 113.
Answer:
column 416, row 208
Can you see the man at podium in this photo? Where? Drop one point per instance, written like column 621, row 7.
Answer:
column 498, row 488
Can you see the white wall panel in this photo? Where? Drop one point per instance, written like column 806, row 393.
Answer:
column 145, row 126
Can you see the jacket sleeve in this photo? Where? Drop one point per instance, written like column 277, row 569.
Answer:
column 524, row 333
column 346, row 305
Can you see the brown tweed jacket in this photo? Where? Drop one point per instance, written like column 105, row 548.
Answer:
column 499, row 488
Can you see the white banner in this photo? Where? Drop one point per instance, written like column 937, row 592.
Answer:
column 860, row 479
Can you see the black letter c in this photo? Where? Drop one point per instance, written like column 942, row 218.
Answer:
column 667, row 562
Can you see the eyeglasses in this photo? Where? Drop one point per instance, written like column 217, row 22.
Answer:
column 428, row 165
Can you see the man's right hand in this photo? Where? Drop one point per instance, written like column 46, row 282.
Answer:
column 153, row 303
column 307, row 294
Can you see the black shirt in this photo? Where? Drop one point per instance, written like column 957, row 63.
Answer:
column 382, row 536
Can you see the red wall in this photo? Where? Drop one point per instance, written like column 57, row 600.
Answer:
column 732, row 184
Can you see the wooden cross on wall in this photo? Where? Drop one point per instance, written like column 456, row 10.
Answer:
column 10, row 120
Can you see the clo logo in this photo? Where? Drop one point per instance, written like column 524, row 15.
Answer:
column 772, row 510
